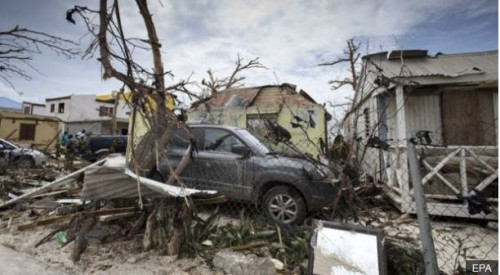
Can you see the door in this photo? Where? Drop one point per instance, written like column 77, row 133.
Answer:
column 222, row 165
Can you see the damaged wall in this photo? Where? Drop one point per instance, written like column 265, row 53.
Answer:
column 45, row 128
column 312, row 126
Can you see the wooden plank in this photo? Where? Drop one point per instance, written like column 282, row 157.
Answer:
column 474, row 155
column 102, row 212
column 443, row 179
column 400, row 113
column 439, row 166
column 481, row 186
column 463, row 173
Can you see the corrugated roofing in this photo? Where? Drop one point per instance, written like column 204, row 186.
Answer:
column 443, row 65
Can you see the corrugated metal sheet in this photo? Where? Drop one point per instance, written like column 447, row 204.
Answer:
column 109, row 181
column 444, row 65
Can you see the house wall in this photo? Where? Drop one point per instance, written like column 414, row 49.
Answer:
column 45, row 131
column 284, row 115
column 84, row 108
column 67, row 108
column 34, row 109
column 423, row 112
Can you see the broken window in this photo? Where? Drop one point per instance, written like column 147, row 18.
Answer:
column 27, row 131
column 60, row 108
column 106, row 111
column 220, row 140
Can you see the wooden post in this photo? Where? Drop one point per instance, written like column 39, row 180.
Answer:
column 52, row 141
column 463, row 173
column 400, row 115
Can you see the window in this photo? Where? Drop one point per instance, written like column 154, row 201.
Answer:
column 366, row 114
column 61, row 108
column 106, row 111
column 27, row 110
column 220, row 140
column 179, row 140
column 27, row 131
column 52, row 107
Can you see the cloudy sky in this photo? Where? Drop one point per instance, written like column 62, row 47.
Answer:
column 290, row 37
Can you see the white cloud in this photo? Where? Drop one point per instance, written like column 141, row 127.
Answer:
column 291, row 37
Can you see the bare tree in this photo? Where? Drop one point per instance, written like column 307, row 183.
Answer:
column 351, row 57
column 165, row 223
column 19, row 46
column 215, row 85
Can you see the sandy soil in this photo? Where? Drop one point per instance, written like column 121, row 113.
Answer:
column 106, row 258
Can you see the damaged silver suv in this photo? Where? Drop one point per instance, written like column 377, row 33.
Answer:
column 239, row 166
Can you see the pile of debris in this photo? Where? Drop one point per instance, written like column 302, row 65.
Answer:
column 105, row 207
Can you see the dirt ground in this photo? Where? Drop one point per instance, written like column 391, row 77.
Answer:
column 106, row 258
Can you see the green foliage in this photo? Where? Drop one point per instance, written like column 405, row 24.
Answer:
column 197, row 232
column 294, row 249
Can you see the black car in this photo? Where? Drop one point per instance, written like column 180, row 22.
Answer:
column 239, row 166
column 100, row 146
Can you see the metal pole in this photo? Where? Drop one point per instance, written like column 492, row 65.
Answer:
column 431, row 266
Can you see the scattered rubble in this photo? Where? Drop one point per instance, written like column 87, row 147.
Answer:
column 237, row 263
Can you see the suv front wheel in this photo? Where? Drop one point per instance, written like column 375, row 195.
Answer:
column 284, row 205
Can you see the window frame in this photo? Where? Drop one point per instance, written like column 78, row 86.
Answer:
column 27, row 131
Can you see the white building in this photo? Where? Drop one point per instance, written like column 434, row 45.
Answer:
column 89, row 113
column 31, row 108
column 450, row 99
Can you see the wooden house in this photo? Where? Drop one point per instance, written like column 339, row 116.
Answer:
column 451, row 99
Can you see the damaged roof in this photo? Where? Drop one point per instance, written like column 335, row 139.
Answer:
column 258, row 96
column 417, row 63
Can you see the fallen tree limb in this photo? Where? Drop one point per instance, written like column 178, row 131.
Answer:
column 80, row 241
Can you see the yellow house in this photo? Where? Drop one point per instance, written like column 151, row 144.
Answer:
column 27, row 130
column 250, row 108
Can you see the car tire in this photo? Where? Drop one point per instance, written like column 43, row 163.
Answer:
column 284, row 205
column 25, row 163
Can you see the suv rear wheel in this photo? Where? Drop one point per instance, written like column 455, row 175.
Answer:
column 284, row 205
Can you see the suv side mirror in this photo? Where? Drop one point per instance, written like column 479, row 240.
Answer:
column 242, row 150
